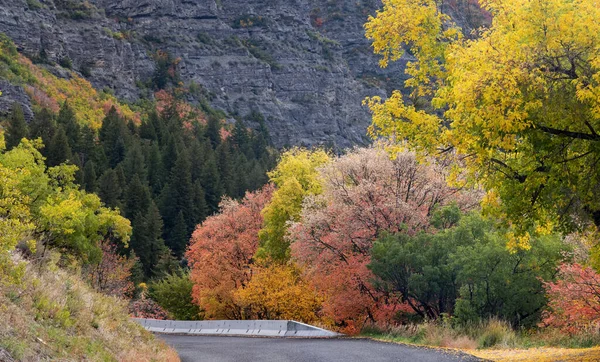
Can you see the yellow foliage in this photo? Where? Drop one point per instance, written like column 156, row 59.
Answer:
column 295, row 176
column 519, row 104
column 278, row 292
column 49, row 91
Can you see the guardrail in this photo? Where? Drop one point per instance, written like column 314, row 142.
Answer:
column 263, row 328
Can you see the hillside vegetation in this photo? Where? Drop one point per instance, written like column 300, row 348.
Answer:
column 52, row 314
column 471, row 222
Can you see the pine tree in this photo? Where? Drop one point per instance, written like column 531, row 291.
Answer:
column 225, row 165
column 211, row 183
column 178, row 236
column 59, row 150
column 17, row 127
column 66, row 119
column 121, row 177
column 134, row 164
column 178, row 193
column 213, row 131
column 113, row 135
column 137, row 198
column 170, row 154
column 199, row 202
column 147, row 130
column 146, row 240
column 241, row 139
column 90, row 179
column 79, row 174
column 91, row 150
column 43, row 126
column 156, row 174
column 109, row 189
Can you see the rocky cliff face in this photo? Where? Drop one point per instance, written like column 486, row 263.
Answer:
column 303, row 64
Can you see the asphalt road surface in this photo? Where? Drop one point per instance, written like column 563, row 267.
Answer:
column 244, row 349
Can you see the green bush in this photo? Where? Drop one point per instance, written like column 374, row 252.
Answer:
column 174, row 294
column 34, row 5
column 66, row 62
column 466, row 270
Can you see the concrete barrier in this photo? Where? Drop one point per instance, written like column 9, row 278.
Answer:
column 253, row 328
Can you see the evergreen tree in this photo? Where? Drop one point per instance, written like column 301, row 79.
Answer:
column 199, row 202
column 109, row 189
column 134, row 163
column 197, row 157
column 17, row 127
column 241, row 139
column 177, row 196
column 170, row 154
column 113, row 135
column 225, row 165
column 159, row 127
column 156, row 175
column 147, row 130
column 66, row 119
column 211, row 183
column 59, row 150
column 121, row 177
column 137, row 198
column 90, row 179
column 43, row 126
column 179, row 236
column 79, row 174
column 91, row 150
column 213, row 131
column 146, row 239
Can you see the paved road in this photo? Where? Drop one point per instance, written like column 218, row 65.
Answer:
column 243, row 349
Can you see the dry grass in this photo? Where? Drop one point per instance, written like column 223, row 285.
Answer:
column 494, row 340
column 492, row 333
column 539, row 354
column 54, row 315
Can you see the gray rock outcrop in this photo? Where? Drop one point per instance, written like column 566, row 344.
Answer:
column 305, row 65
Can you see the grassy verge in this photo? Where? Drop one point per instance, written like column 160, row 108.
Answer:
column 52, row 314
column 495, row 340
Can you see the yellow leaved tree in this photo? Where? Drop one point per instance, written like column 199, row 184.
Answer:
column 295, row 177
column 518, row 103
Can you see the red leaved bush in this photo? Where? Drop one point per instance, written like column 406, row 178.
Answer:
column 221, row 251
column 147, row 308
column 573, row 299
column 365, row 193
column 112, row 276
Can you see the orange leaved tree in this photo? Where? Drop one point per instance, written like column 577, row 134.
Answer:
column 221, row 253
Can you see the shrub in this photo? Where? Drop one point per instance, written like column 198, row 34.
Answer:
column 574, row 299
column 66, row 62
column 496, row 333
column 174, row 294
column 34, row 5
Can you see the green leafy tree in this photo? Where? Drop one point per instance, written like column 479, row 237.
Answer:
column 174, row 294
column 466, row 270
